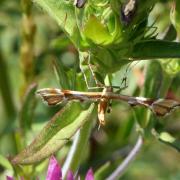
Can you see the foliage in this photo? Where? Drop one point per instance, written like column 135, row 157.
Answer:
column 50, row 43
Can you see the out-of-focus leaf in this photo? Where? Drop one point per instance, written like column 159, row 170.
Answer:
column 175, row 16
column 102, row 171
column 28, row 107
column 60, row 43
column 126, row 130
column 171, row 66
column 61, row 75
column 63, row 12
column 5, row 163
column 168, row 139
column 6, row 90
column 55, row 134
column 155, row 49
column 171, row 34
column 153, row 79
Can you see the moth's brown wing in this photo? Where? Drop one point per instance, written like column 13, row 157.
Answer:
column 163, row 107
column 51, row 96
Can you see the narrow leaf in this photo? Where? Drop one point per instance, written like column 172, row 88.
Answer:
column 169, row 140
column 28, row 107
column 5, row 163
column 156, row 49
column 62, row 12
column 96, row 31
column 101, row 173
column 55, row 134
column 61, row 74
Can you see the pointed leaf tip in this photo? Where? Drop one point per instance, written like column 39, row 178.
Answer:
column 54, row 170
column 89, row 175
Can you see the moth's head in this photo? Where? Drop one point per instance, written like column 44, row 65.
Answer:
column 51, row 96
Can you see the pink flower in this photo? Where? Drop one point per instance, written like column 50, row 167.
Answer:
column 54, row 170
column 55, row 173
column 9, row 178
column 70, row 175
column 89, row 175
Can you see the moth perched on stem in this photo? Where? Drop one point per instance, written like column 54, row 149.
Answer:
column 160, row 107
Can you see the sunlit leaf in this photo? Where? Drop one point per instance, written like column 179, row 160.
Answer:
column 63, row 12
column 102, row 171
column 171, row 66
column 55, row 134
column 166, row 138
column 175, row 15
column 5, row 163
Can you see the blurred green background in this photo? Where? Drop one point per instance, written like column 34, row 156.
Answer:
column 27, row 58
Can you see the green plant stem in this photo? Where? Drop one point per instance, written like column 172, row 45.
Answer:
column 76, row 152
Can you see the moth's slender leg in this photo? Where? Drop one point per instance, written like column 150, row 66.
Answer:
column 109, row 109
column 89, row 65
column 92, row 72
column 124, row 79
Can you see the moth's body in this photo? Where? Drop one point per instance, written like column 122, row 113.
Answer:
column 54, row 96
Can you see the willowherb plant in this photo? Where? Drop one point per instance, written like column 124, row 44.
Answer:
column 107, row 35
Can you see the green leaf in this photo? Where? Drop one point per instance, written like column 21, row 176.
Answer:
column 55, row 134
column 99, row 33
column 61, row 74
column 171, row 66
column 168, row 139
column 175, row 16
column 63, row 12
column 153, row 49
column 96, row 31
column 6, row 90
column 28, row 107
column 5, row 163
column 101, row 173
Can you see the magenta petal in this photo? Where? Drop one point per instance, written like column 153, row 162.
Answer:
column 70, row 175
column 54, row 170
column 89, row 175
column 9, row 178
